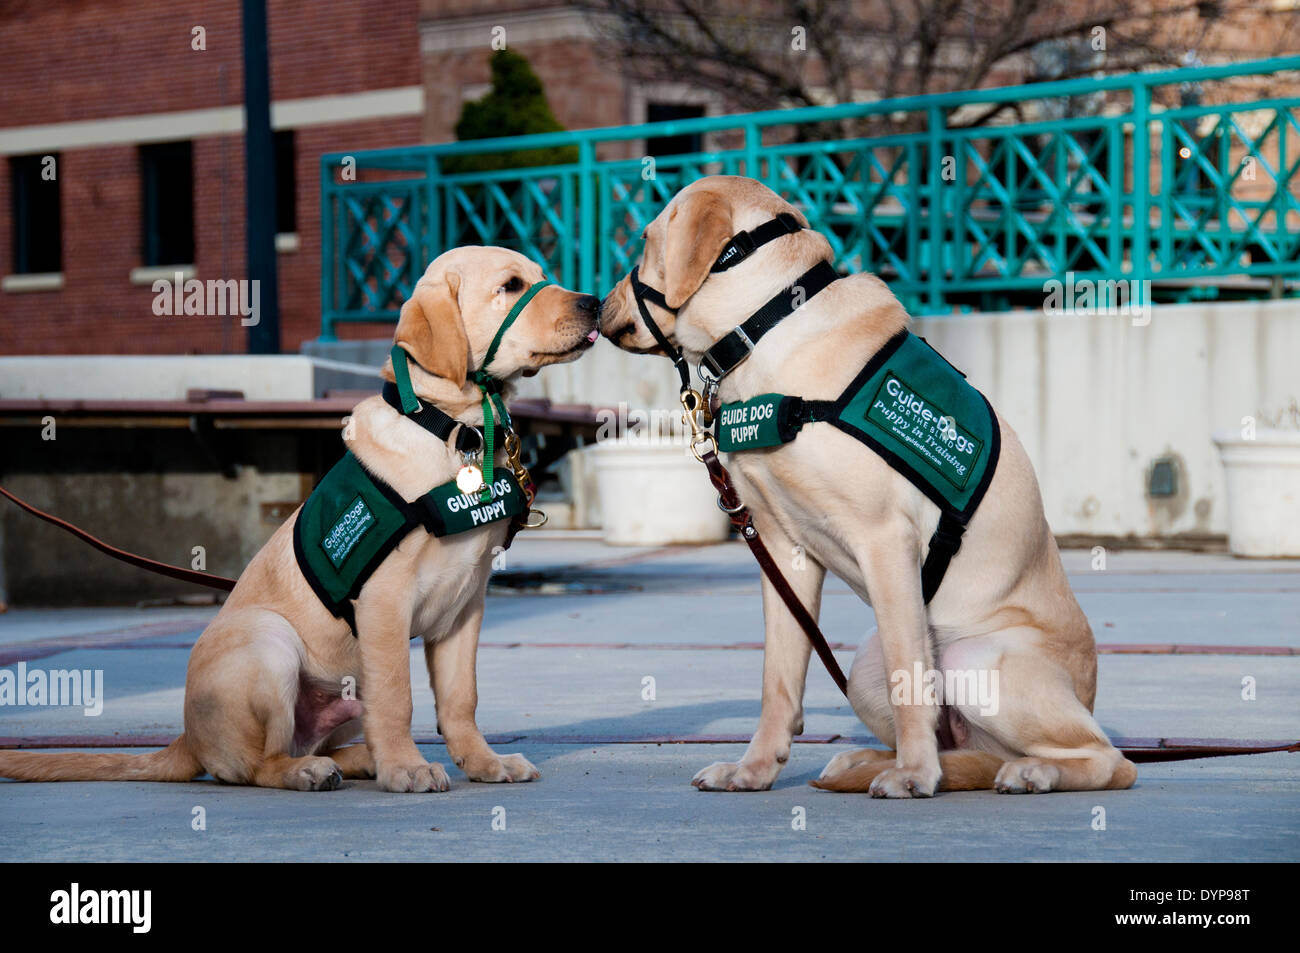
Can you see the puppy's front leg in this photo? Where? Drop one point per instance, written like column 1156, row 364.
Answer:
column 785, row 669
column 385, row 647
column 891, row 571
column 452, row 674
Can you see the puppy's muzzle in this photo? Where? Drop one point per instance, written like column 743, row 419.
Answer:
column 587, row 308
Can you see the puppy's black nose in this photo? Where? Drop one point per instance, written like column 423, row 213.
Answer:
column 589, row 303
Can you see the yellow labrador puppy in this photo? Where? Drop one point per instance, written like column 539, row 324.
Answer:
column 1004, row 606
column 268, row 697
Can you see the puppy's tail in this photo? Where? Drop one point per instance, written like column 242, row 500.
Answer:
column 962, row 771
column 174, row 763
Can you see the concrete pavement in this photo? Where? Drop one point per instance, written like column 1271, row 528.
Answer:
column 573, row 633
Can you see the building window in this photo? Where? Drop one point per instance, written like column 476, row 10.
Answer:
column 167, row 179
column 673, row 145
column 286, row 184
column 34, row 197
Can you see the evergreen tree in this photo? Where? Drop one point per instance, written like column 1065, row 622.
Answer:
column 515, row 106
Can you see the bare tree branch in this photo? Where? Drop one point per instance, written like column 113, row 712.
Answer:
column 741, row 48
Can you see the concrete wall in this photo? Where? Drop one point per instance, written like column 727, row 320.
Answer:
column 160, row 515
column 117, row 377
column 150, row 488
column 1095, row 400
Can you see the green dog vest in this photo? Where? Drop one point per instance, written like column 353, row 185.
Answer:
column 353, row 520
column 911, row 407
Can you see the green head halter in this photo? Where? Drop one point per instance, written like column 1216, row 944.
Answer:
column 489, row 386
column 481, row 376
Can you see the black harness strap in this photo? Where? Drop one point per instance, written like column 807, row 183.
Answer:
column 436, row 422
column 743, row 244
column 804, row 411
column 721, row 359
column 943, row 546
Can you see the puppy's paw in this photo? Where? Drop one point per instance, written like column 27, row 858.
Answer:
column 848, row 760
column 906, row 782
column 734, row 776
column 316, row 774
column 499, row 768
column 1027, row 776
column 416, row 778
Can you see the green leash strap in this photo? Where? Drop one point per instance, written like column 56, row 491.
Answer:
column 491, row 399
column 489, row 444
column 491, row 387
column 402, row 373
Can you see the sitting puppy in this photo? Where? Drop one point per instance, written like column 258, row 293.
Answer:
column 809, row 385
column 312, row 647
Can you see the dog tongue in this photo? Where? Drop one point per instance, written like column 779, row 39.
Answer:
column 594, row 335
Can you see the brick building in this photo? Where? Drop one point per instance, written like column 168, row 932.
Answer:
column 121, row 123
column 121, row 130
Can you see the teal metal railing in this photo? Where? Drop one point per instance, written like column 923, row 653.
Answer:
column 1193, row 198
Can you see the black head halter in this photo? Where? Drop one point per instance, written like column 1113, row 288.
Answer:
column 739, row 247
column 643, row 293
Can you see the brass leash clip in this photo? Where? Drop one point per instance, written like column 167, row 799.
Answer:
column 695, row 416
column 514, row 457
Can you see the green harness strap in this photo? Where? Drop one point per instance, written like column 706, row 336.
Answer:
column 522, row 303
column 490, row 387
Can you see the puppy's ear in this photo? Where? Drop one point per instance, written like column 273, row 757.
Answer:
column 431, row 330
column 698, row 227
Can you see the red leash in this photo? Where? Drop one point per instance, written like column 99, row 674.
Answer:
column 738, row 513
column 729, row 499
column 1188, row 752
column 152, row 565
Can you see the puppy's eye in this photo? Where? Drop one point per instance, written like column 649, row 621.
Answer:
column 514, row 284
